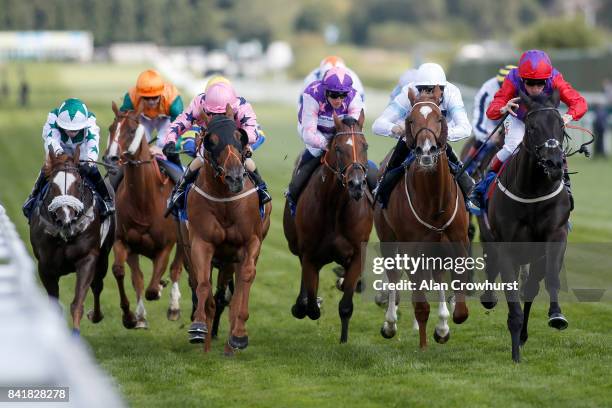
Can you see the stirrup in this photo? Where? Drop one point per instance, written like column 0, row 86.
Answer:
column 109, row 208
column 264, row 196
column 472, row 207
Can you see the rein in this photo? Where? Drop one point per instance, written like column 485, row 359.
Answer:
column 342, row 174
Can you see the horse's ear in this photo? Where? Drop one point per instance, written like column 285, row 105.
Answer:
column 337, row 121
column 408, row 132
column 244, row 138
column 411, row 96
column 51, row 151
column 210, row 141
column 115, row 109
column 443, row 131
column 361, row 119
column 526, row 99
column 76, row 156
column 437, row 93
column 555, row 97
column 229, row 112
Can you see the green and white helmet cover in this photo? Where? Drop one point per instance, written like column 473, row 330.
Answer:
column 72, row 115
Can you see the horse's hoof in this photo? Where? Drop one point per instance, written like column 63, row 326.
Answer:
column 238, row 343
column 459, row 318
column 558, row 321
column 152, row 294
column 524, row 338
column 76, row 332
column 173, row 315
column 441, row 339
column 319, row 301
column 95, row 318
column 129, row 321
column 142, row 324
column 381, row 299
column 197, row 332
column 298, row 311
column 488, row 300
column 313, row 312
column 386, row 335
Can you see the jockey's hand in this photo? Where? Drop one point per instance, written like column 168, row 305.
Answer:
column 567, row 118
column 248, row 152
column 169, row 149
column 398, row 131
column 511, row 106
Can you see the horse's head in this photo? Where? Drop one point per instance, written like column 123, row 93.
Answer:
column 126, row 136
column 544, row 132
column 225, row 147
column 347, row 155
column 65, row 191
column 426, row 128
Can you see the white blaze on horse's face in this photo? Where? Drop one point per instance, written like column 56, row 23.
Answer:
column 140, row 131
column 64, row 181
column 427, row 146
column 349, row 141
column 113, row 150
column 425, row 111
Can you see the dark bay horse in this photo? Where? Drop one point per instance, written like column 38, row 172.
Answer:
column 67, row 235
column 333, row 219
column 224, row 224
column 141, row 226
column 426, row 206
column 528, row 214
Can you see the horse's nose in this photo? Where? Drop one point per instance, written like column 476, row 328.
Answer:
column 426, row 160
column 554, row 163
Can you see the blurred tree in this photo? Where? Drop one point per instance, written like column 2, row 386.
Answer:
column 309, row 19
column 560, row 33
column 123, row 20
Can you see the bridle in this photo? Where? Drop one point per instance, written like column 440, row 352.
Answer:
column 134, row 145
column 342, row 173
column 220, row 169
column 440, row 149
column 550, row 143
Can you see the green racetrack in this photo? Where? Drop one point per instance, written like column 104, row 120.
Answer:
column 301, row 363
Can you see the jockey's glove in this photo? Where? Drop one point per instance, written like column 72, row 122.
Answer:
column 511, row 106
column 169, row 149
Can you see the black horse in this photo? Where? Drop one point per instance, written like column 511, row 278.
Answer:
column 531, row 205
column 68, row 234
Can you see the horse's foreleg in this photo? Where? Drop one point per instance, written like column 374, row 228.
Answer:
column 120, row 251
column 508, row 271
column 345, row 307
column 460, row 311
column 555, row 251
column 421, row 313
column 174, row 309
column 239, row 306
column 389, row 327
column 138, row 283
column 85, row 270
column 201, row 258
column 97, row 285
column 160, row 263
column 531, row 288
column 310, row 277
column 222, row 297
column 50, row 282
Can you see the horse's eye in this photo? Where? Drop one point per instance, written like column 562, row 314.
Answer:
column 365, row 146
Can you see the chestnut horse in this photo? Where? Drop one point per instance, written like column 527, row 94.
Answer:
column 425, row 207
column 141, row 226
column 224, row 224
column 333, row 219
column 67, row 234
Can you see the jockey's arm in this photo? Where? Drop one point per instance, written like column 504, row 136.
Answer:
column 459, row 127
column 92, row 140
column 309, row 120
column 577, row 105
column 176, row 108
column 247, row 120
column 185, row 120
column 501, row 98
column 356, row 106
column 480, row 122
column 394, row 115
column 51, row 135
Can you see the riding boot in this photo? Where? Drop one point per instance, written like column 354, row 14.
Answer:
column 177, row 197
column 93, row 174
column 568, row 184
column 28, row 206
column 465, row 181
column 391, row 174
column 372, row 176
column 306, row 166
column 479, row 192
column 264, row 196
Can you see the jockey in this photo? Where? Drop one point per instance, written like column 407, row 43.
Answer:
column 320, row 100
column 67, row 127
column 161, row 104
column 535, row 75
column 328, row 63
column 213, row 102
column 481, row 125
column 391, row 123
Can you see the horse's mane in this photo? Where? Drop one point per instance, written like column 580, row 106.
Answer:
column 349, row 121
column 541, row 99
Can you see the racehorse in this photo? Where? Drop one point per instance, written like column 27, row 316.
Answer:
column 425, row 207
column 225, row 225
column 141, row 226
column 68, row 234
column 333, row 219
column 529, row 205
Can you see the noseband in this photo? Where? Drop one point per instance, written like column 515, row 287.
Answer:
column 550, row 143
column 441, row 149
column 342, row 173
column 133, row 147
